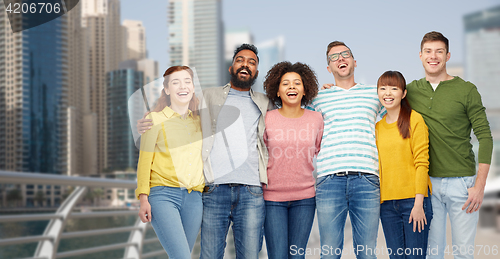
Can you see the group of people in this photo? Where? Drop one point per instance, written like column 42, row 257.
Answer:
column 242, row 157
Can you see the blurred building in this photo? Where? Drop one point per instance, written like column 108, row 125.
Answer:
column 104, row 52
column 122, row 153
column 233, row 38
column 34, row 83
column 135, row 40
column 149, row 69
column 196, row 38
column 482, row 53
column 454, row 69
column 270, row 52
column 33, row 79
column 80, row 149
column 489, row 214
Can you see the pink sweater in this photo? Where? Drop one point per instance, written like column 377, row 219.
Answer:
column 292, row 143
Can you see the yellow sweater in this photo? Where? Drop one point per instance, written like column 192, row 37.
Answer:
column 403, row 163
column 170, row 153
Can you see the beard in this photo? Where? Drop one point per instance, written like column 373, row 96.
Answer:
column 243, row 84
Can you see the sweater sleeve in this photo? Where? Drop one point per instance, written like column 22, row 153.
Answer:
column 319, row 135
column 378, row 150
column 420, row 150
column 267, row 121
column 477, row 117
column 146, row 157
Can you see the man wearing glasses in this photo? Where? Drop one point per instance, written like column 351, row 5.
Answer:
column 347, row 164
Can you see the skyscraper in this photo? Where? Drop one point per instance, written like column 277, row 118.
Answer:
column 33, row 79
column 122, row 83
column 80, row 160
column 135, row 40
column 482, row 67
column 124, row 110
column 482, row 53
column 270, row 52
column 101, row 20
column 196, row 37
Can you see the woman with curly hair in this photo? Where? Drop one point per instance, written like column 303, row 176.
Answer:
column 293, row 137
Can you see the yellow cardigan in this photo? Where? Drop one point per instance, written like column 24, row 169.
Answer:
column 403, row 163
column 170, row 153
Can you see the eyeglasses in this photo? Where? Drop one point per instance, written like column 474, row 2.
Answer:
column 335, row 56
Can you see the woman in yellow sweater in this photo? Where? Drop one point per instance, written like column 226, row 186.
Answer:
column 403, row 149
column 170, row 169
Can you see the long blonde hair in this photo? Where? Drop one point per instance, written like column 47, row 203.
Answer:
column 164, row 99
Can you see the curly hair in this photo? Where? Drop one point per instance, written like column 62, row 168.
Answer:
column 273, row 79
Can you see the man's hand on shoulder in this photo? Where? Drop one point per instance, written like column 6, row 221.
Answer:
column 144, row 124
column 327, row 86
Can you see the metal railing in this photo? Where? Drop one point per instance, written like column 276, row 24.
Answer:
column 49, row 241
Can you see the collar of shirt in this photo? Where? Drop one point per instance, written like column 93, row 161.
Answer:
column 169, row 113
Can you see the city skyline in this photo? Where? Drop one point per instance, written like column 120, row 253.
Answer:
column 383, row 36
column 104, row 56
column 309, row 26
column 195, row 37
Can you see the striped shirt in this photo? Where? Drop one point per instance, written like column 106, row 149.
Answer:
column 348, row 142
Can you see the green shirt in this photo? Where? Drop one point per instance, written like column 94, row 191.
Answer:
column 450, row 113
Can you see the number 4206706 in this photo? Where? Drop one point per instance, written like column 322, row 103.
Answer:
column 471, row 250
column 33, row 8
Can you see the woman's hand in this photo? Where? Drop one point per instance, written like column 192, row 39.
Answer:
column 145, row 209
column 417, row 215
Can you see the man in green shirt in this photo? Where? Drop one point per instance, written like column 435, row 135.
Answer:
column 451, row 107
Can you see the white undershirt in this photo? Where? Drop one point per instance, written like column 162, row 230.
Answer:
column 434, row 86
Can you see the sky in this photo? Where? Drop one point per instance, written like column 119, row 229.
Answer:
column 382, row 34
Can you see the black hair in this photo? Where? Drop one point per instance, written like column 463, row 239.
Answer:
column 246, row 46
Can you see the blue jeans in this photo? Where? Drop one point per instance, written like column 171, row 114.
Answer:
column 448, row 196
column 400, row 238
column 241, row 204
column 287, row 227
column 358, row 195
column 176, row 219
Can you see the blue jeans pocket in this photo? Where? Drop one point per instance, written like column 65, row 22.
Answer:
column 469, row 181
column 321, row 180
column 372, row 179
column 255, row 190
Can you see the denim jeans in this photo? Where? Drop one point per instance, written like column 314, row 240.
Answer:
column 448, row 196
column 401, row 241
column 287, row 227
column 176, row 219
column 358, row 195
column 241, row 204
